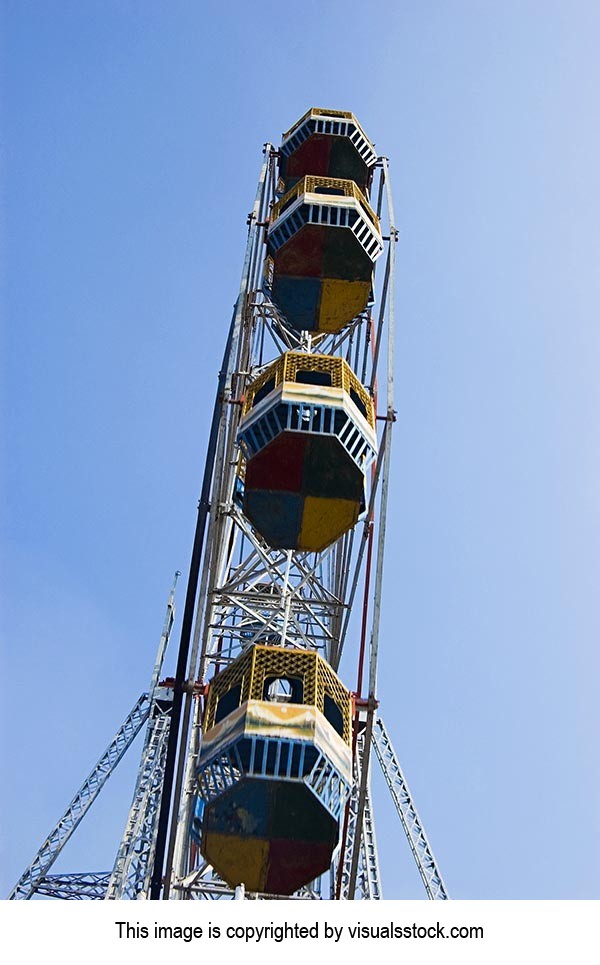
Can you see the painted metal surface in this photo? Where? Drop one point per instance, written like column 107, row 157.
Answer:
column 303, row 492
column 323, row 241
column 271, row 836
column 307, row 448
column 326, row 142
column 259, row 664
column 273, row 772
column 293, row 723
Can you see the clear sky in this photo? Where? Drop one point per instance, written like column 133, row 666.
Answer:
column 132, row 136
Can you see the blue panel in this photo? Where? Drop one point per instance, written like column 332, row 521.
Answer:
column 245, row 810
column 298, row 299
column 277, row 516
column 196, row 826
column 266, row 809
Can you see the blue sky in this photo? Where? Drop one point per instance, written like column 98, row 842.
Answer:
column 132, row 136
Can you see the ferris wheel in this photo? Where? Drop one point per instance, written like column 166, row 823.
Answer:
column 255, row 774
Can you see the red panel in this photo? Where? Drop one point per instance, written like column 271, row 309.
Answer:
column 279, row 466
column 295, row 863
column 303, row 253
column 312, row 157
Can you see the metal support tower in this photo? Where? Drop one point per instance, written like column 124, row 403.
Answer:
column 407, row 812
column 368, row 883
column 133, row 866
column 35, row 875
column 35, row 878
column 245, row 592
column 240, row 592
column 248, row 592
column 75, row 887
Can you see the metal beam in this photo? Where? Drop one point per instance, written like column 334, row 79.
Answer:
column 368, row 883
column 75, row 887
column 32, row 877
column 133, row 865
column 174, row 769
column 381, row 529
column 407, row 812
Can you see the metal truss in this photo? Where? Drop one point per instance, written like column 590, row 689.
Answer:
column 248, row 593
column 241, row 592
column 75, row 887
column 383, row 464
column 277, row 597
column 33, row 877
column 368, row 882
column 370, row 860
column 133, row 866
column 407, row 812
column 204, row 883
column 153, row 706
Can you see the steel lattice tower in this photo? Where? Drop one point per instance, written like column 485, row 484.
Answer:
column 243, row 593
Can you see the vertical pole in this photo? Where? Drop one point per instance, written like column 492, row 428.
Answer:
column 223, row 388
column 374, row 643
column 186, row 629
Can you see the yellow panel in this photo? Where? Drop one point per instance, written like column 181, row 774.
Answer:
column 221, row 735
column 315, row 363
column 274, row 371
column 285, row 368
column 324, row 520
column 292, row 721
column 252, row 668
column 239, row 860
column 281, row 662
column 237, row 672
column 340, row 302
column 299, row 722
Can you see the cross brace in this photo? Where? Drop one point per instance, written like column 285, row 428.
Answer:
column 407, row 812
column 74, row 887
column 33, row 876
